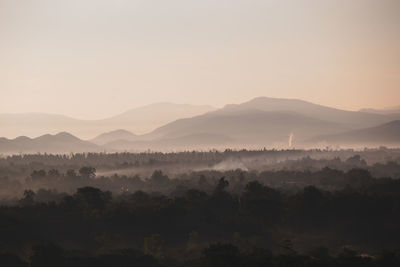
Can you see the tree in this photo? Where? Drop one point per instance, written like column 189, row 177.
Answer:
column 222, row 184
column 159, row 178
column 10, row 260
column 221, row 255
column 87, row 172
column 356, row 160
column 47, row 254
column 54, row 173
column 71, row 173
column 261, row 202
column 92, row 198
column 37, row 175
column 28, row 199
column 358, row 177
column 153, row 245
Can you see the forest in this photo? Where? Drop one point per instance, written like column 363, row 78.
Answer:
column 230, row 208
column 191, row 133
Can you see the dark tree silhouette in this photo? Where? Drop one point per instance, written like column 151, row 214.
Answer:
column 87, row 172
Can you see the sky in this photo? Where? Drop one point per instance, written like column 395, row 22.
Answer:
column 92, row 59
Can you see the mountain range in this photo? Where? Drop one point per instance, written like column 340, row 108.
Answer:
column 112, row 136
column 387, row 134
column 261, row 122
column 390, row 110
column 59, row 143
column 138, row 120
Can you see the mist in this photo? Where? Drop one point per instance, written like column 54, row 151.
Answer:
column 199, row 133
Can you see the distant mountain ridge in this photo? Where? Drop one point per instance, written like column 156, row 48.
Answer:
column 353, row 119
column 138, row 120
column 245, row 126
column 268, row 122
column 260, row 122
column 387, row 134
column 114, row 136
column 59, row 143
column 386, row 111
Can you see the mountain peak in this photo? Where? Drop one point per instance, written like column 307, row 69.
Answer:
column 115, row 135
column 119, row 131
column 61, row 136
column 64, row 134
column 270, row 103
column 62, row 142
column 22, row 138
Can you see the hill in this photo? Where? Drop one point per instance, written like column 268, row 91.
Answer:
column 387, row 134
column 147, row 118
column 139, row 120
column 114, row 136
column 243, row 128
column 352, row 119
column 387, row 111
column 261, row 122
column 58, row 143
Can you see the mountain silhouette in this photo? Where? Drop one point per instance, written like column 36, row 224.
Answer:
column 138, row 120
column 353, row 119
column 114, row 136
column 395, row 111
column 260, row 122
column 59, row 143
column 248, row 126
column 386, row 134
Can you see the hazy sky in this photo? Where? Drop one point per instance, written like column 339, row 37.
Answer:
column 94, row 58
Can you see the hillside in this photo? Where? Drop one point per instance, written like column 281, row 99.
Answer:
column 261, row 122
column 237, row 128
column 139, row 120
column 113, row 136
column 353, row 119
column 58, row 143
column 385, row 134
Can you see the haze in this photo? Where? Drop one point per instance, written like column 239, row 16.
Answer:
column 184, row 133
column 93, row 59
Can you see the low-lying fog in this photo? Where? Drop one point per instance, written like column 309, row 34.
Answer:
column 167, row 172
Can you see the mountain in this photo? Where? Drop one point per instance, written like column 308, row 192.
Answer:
column 147, row 118
column 387, row 111
column 261, row 122
column 35, row 124
column 114, row 136
column 387, row 134
column 59, row 143
column 244, row 128
column 139, row 120
column 352, row 119
column 269, row 120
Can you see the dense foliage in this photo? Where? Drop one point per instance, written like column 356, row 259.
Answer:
column 180, row 228
column 62, row 211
